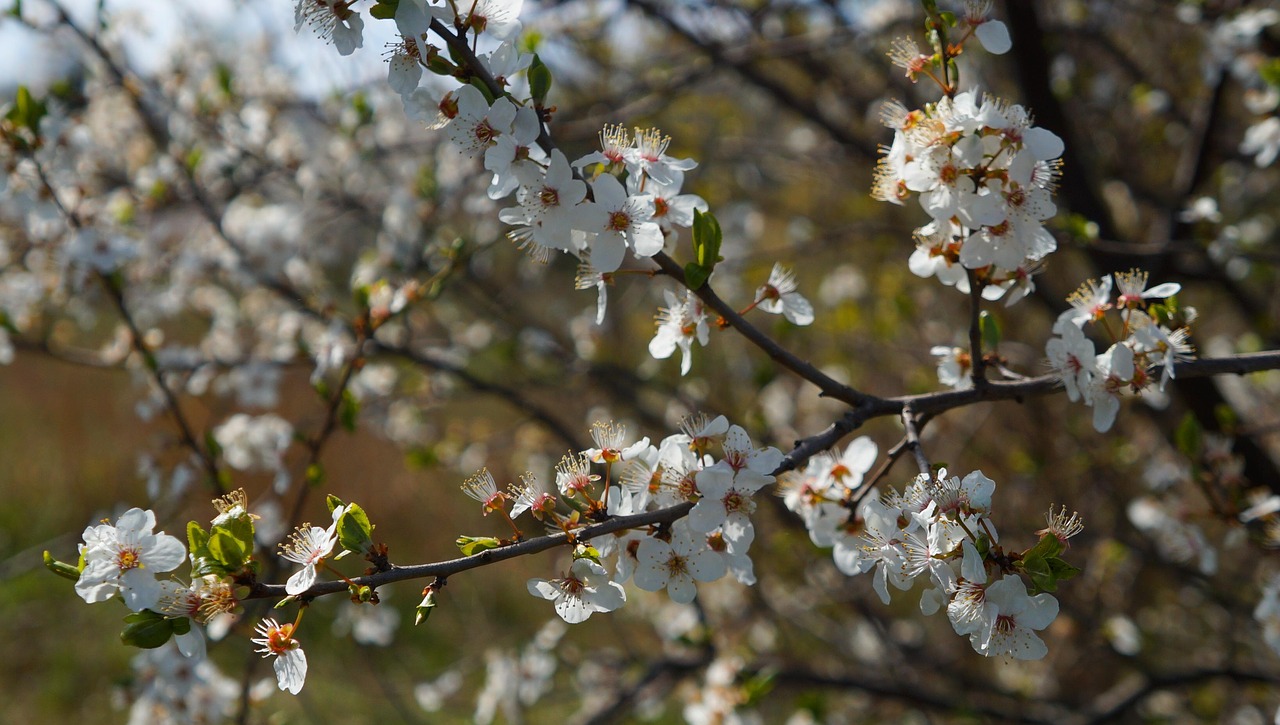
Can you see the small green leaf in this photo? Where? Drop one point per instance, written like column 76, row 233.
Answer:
column 226, row 550
column 483, row 88
column 146, row 630
column 355, row 533
column 1227, row 419
column 315, row 475
column 471, row 545
column 1047, row 547
column 385, row 9
column 695, row 275
column 1187, row 437
column 349, row 411
column 423, row 609
column 1270, row 71
column 211, row 444
column 202, row 562
column 757, row 687
column 539, row 80
column 1041, row 574
column 361, row 296
column 706, row 240
column 1062, row 570
column 990, row 328
column 60, row 568
column 332, row 502
column 587, row 551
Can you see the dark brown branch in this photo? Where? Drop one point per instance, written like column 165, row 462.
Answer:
column 449, row 568
column 829, row 387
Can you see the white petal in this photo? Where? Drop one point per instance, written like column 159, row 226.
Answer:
column 681, row 589
column 291, row 671
column 994, row 36
column 544, row 589
column 301, row 580
column 572, row 609
column 139, row 589
column 167, row 554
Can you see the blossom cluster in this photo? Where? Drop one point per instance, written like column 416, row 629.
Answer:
column 624, row 197
column 1149, row 333
column 985, row 175
column 938, row 531
column 637, row 477
column 124, row 559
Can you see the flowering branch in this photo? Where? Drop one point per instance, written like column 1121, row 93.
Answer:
column 446, row 569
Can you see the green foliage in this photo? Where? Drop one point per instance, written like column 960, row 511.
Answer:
column 1044, row 565
column 225, row 550
column 706, row 249
column 355, row 533
column 990, row 328
column 1187, row 437
column 27, row 110
column 539, row 81
column 471, row 545
column 348, row 411
column 62, row 569
column 385, row 9
column 423, row 610
column 149, row 630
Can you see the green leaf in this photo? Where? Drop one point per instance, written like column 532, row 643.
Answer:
column 202, row 562
column 361, row 296
column 483, row 88
column 990, row 328
column 421, row 457
column 539, row 81
column 385, row 9
column 355, row 533
column 1270, row 71
column 587, row 551
column 1187, row 437
column 1047, row 547
column 695, row 275
column 211, row 444
column 423, row 610
column 315, row 475
column 1062, row 570
column 1227, row 419
column 470, row 545
column 197, row 537
column 1041, row 574
column 146, row 629
column 60, row 568
column 706, row 240
column 349, row 411
column 226, row 550
column 240, row 528
column 332, row 502
column 757, row 687
column 27, row 111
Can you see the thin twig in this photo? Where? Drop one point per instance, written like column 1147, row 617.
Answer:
column 913, row 439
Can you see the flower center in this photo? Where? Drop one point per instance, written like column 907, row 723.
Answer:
column 280, row 639
column 677, row 565
column 129, row 559
column 619, row 221
column 735, row 502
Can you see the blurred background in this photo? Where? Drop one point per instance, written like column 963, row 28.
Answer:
column 182, row 125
